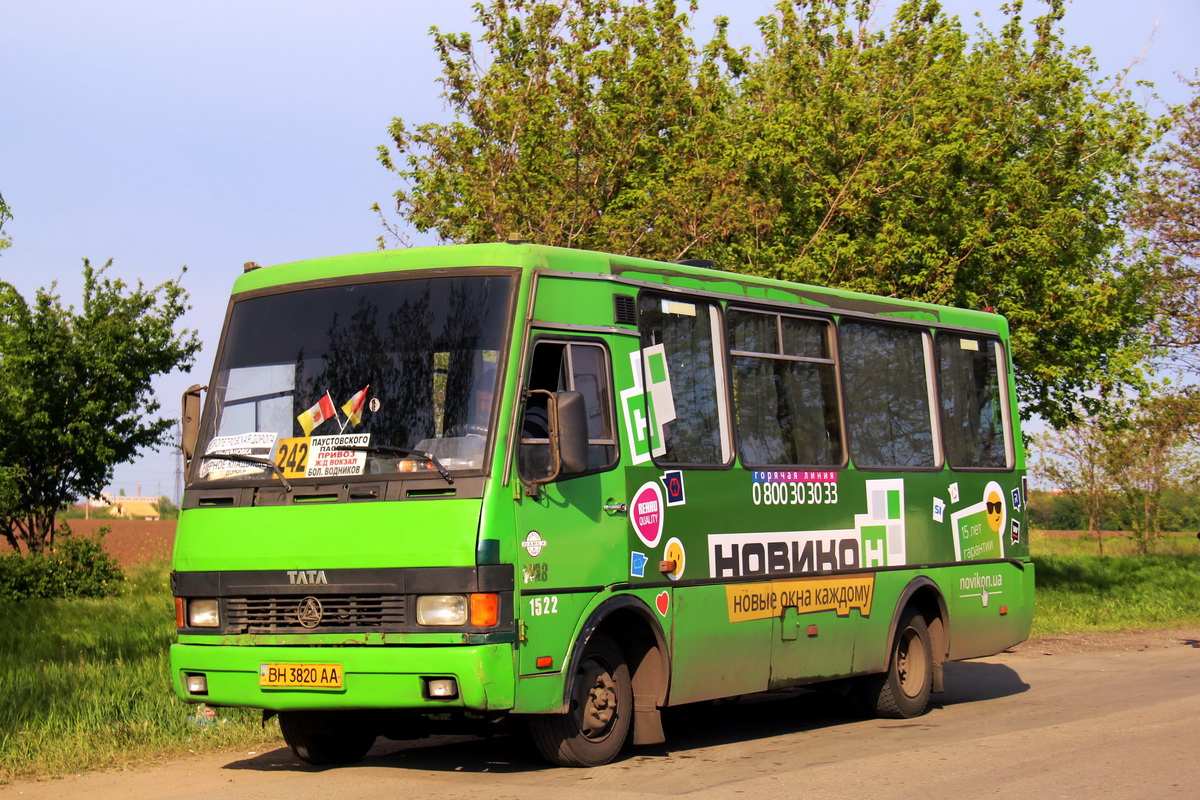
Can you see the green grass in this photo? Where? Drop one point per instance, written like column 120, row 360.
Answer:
column 1107, row 593
column 1114, row 544
column 84, row 684
column 1079, row 590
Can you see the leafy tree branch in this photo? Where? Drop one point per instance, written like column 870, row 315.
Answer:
column 909, row 160
column 76, row 395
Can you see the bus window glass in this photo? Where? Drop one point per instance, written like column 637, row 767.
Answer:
column 694, row 425
column 973, row 414
column 806, row 338
column 785, row 391
column 753, row 333
column 575, row 367
column 403, row 364
column 886, row 390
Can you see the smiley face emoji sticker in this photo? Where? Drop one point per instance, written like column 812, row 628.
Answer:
column 674, row 552
column 995, row 510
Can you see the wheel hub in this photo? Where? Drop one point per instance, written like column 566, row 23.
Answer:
column 910, row 664
column 600, row 704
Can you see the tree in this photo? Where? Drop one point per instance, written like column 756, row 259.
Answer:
column 1152, row 452
column 167, row 509
column 595, row 124
column 1167, row 212
column 1074, row 461
column 992, row 174
column 5, row 216
column 908, row 161
column 8, row 475
column 75, row 392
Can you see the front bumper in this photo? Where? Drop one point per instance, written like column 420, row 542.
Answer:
column 378, row 677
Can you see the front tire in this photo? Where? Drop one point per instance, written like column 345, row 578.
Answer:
column 597, row 721
column 322, row 738
column 903, row 691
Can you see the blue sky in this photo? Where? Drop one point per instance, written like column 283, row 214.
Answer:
column 207, row 134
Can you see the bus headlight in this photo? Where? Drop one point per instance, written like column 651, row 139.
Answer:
column 203, row 614
column 442, row 609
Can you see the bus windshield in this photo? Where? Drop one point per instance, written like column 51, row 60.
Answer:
column 337, row 381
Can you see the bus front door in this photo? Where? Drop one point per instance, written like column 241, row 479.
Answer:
column 571, row 530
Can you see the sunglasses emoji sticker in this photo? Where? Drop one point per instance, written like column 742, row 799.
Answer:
column 995, row 510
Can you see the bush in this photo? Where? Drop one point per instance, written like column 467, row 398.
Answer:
column 76, row 567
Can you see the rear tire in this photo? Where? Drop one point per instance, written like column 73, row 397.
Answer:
column 903, row 691
column 597, row 721
column 323, row 738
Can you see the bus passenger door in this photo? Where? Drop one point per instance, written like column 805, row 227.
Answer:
column 571, row 539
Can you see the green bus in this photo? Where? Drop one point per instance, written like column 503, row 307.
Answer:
column 437, row 488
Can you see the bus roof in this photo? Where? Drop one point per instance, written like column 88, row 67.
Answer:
column 629, row 269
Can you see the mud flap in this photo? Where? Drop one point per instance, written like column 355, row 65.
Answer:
column 647, row 721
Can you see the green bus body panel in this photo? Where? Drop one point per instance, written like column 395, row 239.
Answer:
column 574, row 302
column 712, row 657
column 554, row 635
column 721, row 639
column 977, row 595
column 349, row 639
column 412, row 533
column 561, row 635
column 375, row 677
column 775, row 649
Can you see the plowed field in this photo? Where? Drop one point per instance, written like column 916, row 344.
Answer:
column 130, row 541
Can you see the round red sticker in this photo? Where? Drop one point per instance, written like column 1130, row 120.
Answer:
column 647, row 513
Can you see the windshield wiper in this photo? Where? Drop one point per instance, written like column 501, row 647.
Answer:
column 403, row 451
column 262, row 462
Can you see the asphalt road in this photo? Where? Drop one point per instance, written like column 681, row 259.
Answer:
column 1092, row 718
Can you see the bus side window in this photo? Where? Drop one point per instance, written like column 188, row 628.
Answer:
column 974, row 412
column 784, row 390
column 695, row 427
column 568, row 366
column 885, row 370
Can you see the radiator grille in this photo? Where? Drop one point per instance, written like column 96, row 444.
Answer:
column 356, row 612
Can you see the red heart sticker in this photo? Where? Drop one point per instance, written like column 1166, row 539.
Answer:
column 662, row 602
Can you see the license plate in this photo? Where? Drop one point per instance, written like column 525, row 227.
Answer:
column 300, row 676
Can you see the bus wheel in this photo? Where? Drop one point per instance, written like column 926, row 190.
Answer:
column 318, row 739
column 594, row 728
column 903, row 691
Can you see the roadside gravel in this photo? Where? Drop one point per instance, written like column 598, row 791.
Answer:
column 1128, row 641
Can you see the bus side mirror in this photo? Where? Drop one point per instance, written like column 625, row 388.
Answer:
column 554, row 442
column 571, row 432
column 190, row 422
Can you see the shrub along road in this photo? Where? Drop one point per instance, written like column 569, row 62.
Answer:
column 1065, row 716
